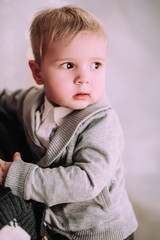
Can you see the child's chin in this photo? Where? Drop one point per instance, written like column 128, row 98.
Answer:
column 80, row 107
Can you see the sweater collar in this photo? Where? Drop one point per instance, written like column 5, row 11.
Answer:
column 69, row 127
column 73, row 121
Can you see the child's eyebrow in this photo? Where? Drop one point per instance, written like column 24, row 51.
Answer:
column 64, row 59
column 73, row 59
column 98, row 58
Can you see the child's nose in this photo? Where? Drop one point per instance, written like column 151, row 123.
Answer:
column 82, row 78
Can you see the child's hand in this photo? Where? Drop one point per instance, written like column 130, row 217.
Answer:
column 4, row 167
column 17, row 156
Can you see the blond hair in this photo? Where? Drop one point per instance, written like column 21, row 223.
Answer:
column 60, row 23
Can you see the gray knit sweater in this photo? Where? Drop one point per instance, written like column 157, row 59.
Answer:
column 80, row 176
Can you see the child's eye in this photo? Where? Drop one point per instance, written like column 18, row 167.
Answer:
column 67, row 65
column 95, row 65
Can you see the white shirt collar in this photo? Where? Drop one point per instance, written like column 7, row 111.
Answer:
column 59, row 113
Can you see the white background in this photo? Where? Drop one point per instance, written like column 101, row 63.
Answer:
column 132, row 85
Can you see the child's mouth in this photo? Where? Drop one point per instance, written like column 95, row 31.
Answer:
column 81, row 96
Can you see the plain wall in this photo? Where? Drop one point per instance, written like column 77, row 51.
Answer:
column 132, row 85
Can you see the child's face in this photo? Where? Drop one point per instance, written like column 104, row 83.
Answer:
column 73, row 75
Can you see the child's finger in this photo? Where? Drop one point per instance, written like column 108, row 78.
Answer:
column 16, row 156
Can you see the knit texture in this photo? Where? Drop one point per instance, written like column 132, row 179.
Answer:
column 13, row 208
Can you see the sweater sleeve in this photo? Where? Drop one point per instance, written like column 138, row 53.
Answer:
column 95, row 160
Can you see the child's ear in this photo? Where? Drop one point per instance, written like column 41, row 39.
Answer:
column 35, row 68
